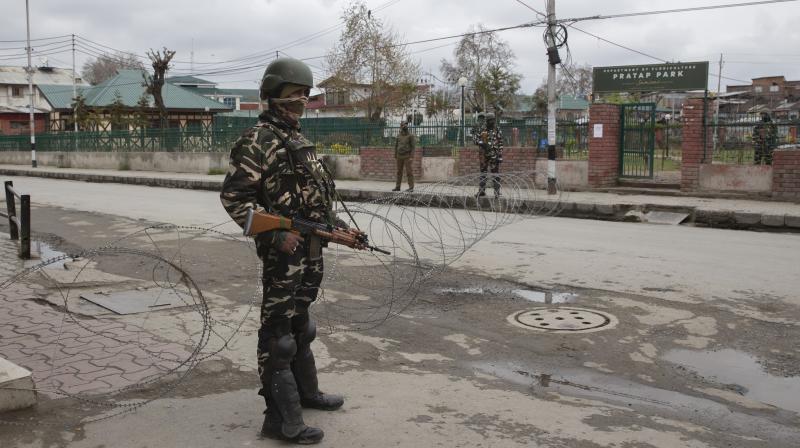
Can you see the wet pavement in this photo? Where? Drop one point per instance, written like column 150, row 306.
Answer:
column 692, row 361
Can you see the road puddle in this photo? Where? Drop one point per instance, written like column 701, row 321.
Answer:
column 531, row 295
column 741, row 373
column 45, row 252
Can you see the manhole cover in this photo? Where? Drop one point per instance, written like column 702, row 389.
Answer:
column 563, row 320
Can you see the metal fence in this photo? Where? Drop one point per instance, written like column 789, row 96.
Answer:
column 739, row 142
column 331, row 135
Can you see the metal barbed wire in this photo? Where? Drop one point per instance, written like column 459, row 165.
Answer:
column 425, row 232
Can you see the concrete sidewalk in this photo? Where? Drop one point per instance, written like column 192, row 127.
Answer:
column 715, row 212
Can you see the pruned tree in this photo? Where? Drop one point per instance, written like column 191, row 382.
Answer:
column 155, row 83
column 107, row 65
column 487, row 62
column 369, row 53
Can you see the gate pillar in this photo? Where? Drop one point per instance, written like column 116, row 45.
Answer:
column 604, row 131
column 696, row 144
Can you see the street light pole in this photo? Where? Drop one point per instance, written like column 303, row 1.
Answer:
column 29, row 69
column 462, row 81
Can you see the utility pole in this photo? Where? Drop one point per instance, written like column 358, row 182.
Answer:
column 74, row 90
column 32, row 122
column 716, row 111
column 552, row 59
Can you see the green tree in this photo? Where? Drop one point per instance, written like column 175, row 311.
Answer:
column 118, row 113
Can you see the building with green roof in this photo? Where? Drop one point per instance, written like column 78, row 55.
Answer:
column 122, row 102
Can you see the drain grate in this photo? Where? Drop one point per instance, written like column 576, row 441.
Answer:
column 563, row 320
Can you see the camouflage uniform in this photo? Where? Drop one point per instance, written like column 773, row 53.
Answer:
column 403, row 152
column 765, row 138
column 273, row 167
column 490, row 144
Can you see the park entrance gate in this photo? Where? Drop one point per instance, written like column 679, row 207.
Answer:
column 637, row 140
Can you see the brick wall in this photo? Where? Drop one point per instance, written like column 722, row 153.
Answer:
column 786, row 174
column 514, row 159
column 694, row 154
column 379, row 163
column 604, row 151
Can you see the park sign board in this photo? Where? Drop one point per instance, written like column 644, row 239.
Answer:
column 652, row 77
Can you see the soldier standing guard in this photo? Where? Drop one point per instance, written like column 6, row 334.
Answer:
column 403, row 152
column 490, row 144
column 765, row 138
column 274, row 168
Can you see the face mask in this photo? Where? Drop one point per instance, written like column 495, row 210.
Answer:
column 292, row 105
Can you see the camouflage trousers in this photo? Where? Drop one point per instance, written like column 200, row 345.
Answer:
column 490, row 164
column 291, row 283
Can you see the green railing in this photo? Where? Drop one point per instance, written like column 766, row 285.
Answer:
column 331, row 135
column 734, row 142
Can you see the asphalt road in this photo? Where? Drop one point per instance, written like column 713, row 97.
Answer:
column 701, row 349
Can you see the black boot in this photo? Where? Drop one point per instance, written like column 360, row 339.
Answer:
column 305, row 373
column 481, row 193
column 284, row 415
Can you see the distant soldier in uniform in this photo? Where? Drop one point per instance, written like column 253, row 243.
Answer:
column 403, row 151
column 476, row 128
column 490, row 146
column 274, row 168
column 765, row 138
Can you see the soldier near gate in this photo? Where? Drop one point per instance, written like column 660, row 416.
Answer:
column 765, row 138
column 403, row 152
column 490, row 153
column 273, row 168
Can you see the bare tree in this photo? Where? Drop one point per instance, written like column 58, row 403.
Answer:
column 155, row 83
column 487, row 62
column 575, row 80
column 369, row 53
column 106, row 66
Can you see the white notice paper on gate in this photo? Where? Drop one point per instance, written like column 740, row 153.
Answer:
column 598, row 130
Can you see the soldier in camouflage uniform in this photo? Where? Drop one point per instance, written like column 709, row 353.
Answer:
column 765, row 138
column 274, row 168
column 490, row 144
column 476, row 128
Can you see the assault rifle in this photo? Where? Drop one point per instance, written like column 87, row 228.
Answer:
column 258, row 222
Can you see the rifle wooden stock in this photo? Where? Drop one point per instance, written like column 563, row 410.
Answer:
column 258, row 222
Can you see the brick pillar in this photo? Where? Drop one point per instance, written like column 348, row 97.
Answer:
column 694, row 154
column 786, row 174
column 378, row 163
column 604, row 151
column 416, row 163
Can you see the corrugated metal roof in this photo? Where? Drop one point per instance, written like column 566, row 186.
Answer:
column 60, row 96
column 189, row 80
column 49, row 75
column 570, row 102
column 129, row 84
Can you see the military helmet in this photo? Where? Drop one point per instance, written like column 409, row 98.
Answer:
column 283, row 71
column 489, row 115
column 481, row 115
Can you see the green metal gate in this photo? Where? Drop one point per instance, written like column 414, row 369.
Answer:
column 637, row 140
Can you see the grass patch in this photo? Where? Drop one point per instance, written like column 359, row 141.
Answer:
column 214, row 171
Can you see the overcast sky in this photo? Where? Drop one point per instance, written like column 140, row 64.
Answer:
column 755, row 41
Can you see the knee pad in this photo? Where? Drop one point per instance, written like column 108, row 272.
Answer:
column 307, row 334
column 284, row 349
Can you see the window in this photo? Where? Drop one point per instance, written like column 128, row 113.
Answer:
column 19, row 125
column 194, row 126
column 230, row 102
column 16, row 91
column 336, row 97
column 774, row 88
column 758, row 89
